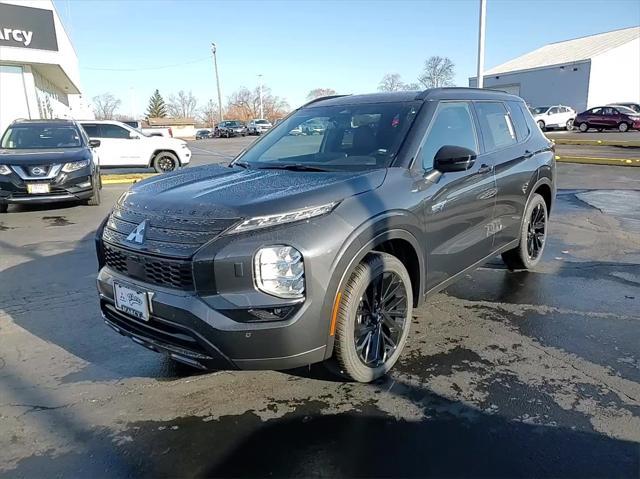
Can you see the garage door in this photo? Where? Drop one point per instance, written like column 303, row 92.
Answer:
column 13, row 98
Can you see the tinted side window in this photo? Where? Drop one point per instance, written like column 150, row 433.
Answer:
column 553, row 110
column 113, row 131
column 451, row 125
column 497, row 130
column 91, row 130
column 519, row 120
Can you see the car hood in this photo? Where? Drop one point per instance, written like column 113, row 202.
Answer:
column 220, row 192
column 42, row 157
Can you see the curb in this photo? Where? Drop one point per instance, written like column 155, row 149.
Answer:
column 124, row 179
column 585, row 160
column 623, row 143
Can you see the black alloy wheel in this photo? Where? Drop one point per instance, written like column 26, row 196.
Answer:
column 165, row 162
column 381, row 319
column 536, row 232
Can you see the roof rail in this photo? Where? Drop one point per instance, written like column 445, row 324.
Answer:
column 320, row 98
column 423, row 94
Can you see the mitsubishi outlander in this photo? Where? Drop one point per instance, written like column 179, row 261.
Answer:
column 316, row 248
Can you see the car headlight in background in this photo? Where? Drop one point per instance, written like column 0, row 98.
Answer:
column 5, row 170
column 281, row 218
column 279, row 271
column 74, row 166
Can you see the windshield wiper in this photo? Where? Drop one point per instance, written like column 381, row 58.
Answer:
column 293, row 167
column 242, row 164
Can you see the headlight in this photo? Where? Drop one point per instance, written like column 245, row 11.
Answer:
column 74, row 166
column 277, row 219
column 5, row 170
column 279, row 271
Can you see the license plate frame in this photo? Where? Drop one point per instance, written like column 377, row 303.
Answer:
column 38, row 188
column 131, row 300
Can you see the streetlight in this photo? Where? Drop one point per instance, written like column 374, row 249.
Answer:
column 483, row 12
column 215, row 65
column 260, row 90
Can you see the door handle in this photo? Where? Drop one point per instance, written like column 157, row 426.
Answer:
column 527, row 155
column 484, row 168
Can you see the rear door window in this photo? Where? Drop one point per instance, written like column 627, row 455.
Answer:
column 113, row 131
column 452, row 125
column 497, row 130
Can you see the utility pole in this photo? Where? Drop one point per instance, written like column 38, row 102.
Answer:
column 260, row 89
column 215, row 66
column 483, row 13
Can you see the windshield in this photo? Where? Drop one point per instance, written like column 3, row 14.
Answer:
column 540, row 110
column 32, row 137
column 234, row 123
column 262, row 122
column 343, row 137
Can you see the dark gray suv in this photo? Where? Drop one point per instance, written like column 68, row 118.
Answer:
column 311, row 248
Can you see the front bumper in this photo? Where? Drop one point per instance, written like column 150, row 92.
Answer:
column 184, row 327
column 64, row 187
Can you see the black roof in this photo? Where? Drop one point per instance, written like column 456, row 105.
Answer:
column 46, row 122
column 453, row 93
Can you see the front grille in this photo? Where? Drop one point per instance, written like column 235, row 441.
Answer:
column 163, row 272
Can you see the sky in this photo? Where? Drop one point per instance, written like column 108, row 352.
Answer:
column 131, row 47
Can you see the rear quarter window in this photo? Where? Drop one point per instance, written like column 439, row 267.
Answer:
column 519, row 119
column 497, row 130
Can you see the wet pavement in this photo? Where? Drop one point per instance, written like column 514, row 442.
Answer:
column 506, row 374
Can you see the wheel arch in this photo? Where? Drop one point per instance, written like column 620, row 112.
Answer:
column 379, row 236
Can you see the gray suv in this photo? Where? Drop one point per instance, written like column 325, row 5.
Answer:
column 316, row 248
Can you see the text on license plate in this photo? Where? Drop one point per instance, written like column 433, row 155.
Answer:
column 131, row 301
column 38, row 188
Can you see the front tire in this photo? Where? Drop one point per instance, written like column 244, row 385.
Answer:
column 541, row 125
column 533, row 236
column 165, row 161
column 95, row 197
column 569, row 125
column 373, row 319
column 583, row 127
column 623, row 127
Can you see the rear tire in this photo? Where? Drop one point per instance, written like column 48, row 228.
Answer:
column 533, row 236
column 569, row 125
column 165, row 162
column 583, row 127
column 623, row 127
column 4, row 207
column 373, row 318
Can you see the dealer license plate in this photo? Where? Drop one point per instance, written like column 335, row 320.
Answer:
column 38, row 188
column 131, row 301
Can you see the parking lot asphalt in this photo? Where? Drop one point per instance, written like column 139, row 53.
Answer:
column 511, row 374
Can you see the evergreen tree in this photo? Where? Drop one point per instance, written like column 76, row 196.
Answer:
column 157, row 107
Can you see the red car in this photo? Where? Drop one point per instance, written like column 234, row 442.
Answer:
column 608, row 118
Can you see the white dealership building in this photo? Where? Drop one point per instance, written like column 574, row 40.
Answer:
column 39, row 74
column 580, row 73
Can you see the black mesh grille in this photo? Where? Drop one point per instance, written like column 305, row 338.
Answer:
column 160, row 271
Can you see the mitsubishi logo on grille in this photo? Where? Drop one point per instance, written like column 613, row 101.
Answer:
column 137, row 235
column 37, row 171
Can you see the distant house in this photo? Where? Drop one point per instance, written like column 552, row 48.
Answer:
column 180, row 127
column 581, row 73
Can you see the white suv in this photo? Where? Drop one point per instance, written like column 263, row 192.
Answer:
column 258, row 126
column 558, row 116
column 121, row 145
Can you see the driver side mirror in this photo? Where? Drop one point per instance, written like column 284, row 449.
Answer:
column 450, row 158
column 94, row 143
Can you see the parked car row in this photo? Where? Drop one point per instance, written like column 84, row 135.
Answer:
column 622, row 116
column 231, row 128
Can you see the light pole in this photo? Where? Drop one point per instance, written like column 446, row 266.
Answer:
column 215, row 66
column 483, row 12
column 260, row 90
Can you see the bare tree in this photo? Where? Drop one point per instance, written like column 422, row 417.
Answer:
column 318, row 92
column 244, row 105
column 438, row 72
column 105, row 106
column 182, row 105
column 208, row 114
